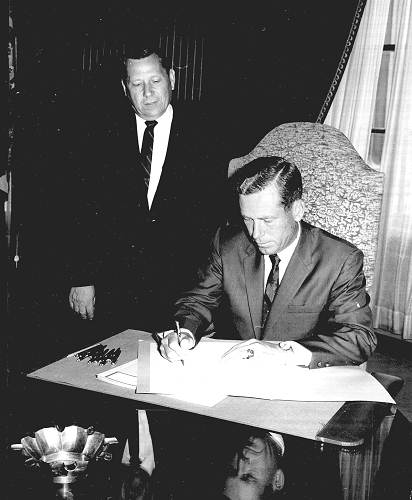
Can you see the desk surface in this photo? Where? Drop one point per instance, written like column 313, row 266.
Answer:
column 302, row 419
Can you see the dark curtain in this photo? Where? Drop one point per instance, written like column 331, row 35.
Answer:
column 265, row 64
column 273, row 65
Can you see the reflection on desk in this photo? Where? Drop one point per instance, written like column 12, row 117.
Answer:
column 206, row 458
column 228, row 460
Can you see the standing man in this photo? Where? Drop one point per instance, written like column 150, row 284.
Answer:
column 152, row 198
column 283, row 280
column 151, row 202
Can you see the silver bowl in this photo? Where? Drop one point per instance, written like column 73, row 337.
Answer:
column 67, row 452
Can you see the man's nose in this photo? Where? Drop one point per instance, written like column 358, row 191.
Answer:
column 257, row 230
column 147, row 89
column 243, row 465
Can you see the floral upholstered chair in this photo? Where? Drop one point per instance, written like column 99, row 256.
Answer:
column 343, row 195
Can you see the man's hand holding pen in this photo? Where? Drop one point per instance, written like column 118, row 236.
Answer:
column 174, row 344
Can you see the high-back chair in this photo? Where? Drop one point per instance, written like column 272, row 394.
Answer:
column 343, row 195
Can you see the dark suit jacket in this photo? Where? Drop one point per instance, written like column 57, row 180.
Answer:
column 321, row 301
column 130, row 253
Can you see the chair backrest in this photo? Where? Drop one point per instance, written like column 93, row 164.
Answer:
column 343, row 195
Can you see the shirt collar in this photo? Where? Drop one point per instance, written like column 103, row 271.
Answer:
column 286, row 254
column 163, row 120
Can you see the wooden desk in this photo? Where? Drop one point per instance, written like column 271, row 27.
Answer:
column 296, row 418
column 359, row 468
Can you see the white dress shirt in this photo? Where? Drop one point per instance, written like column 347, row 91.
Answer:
column 284, row 255
column 161, row 134
column 304, row 357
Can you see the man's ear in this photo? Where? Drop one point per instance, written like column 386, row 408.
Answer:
column 298, row 209
column 124, row 87
column 279, row 480
column 172, row 78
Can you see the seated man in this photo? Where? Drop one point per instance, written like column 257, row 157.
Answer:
column 283, row 279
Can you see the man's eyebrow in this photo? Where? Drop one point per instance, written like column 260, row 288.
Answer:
column 259, row 218
column 248, row 478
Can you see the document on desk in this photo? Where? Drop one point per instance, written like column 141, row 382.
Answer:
column 206, row 379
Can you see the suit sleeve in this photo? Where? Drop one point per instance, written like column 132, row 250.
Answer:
column 195, row 308
column 88, row 222
column 346, row 336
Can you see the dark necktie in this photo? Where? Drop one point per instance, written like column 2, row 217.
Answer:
column 147, row 150
column 272, row 286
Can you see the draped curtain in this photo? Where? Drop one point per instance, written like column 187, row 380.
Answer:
column 354, row 103
column 352, row 112
column 394, row 265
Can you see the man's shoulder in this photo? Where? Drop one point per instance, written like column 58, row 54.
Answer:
column 194, row 120
column 232, row 238
column 193, row 129
column 193, row 136
column 327, row 241
column 113, row 116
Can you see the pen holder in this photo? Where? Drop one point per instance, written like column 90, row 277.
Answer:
column 66, row 453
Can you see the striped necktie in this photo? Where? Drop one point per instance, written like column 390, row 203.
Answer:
column 272, row 286
column 147, row 150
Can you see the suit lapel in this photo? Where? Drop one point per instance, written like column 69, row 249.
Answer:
column 298, row 268
column 253, row 266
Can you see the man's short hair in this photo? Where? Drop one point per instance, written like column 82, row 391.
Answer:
column 139, row 49
column 262, row 172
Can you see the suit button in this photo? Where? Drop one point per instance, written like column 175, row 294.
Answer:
column 132, row 246
column 319, row 364
column 154, row 220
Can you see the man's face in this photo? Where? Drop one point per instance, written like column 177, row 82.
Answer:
column 271, row 226
column 149, row 87
column 252, row 469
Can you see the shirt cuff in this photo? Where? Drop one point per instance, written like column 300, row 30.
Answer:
column 188, row 335
column 304, row 359
column 302, row 356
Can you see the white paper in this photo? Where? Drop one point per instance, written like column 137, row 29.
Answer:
column 206, row 379
column 126, row 376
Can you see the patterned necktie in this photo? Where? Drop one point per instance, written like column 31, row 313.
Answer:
column 147, row 150
column 272, row 286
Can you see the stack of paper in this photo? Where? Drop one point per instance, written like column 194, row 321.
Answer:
column 207, row 378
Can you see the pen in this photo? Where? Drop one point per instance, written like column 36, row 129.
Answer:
column 82, row 350
column 178, row 337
